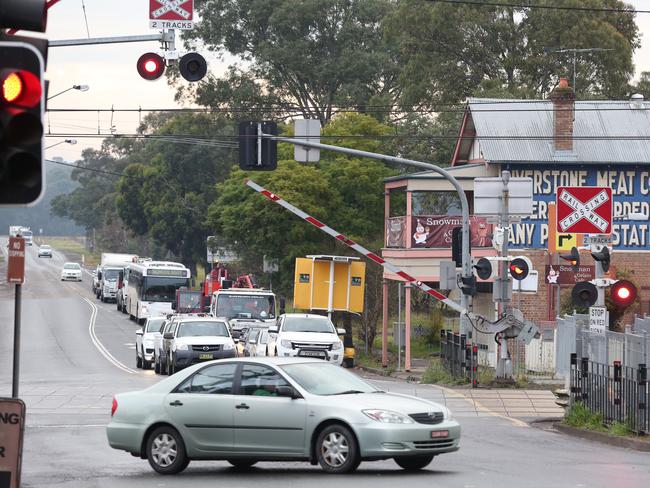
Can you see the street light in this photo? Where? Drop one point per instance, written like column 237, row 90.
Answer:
column 82, row 88
column 67, row 141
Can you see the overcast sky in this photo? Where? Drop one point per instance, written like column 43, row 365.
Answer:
column 110, row 71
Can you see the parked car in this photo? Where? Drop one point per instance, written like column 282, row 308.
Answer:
column 194, row 338
column 45, row 251
column 71, row 271
column 307, row 335
column 255, row 342
column 145, row 337
column 95, row 285
column 159, row 357
column 246, row 410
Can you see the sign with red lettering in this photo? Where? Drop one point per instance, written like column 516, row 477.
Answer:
column 584, row 210
column 12, row 425
column 16, row 262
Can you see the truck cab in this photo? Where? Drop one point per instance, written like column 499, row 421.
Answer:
column 244, row 308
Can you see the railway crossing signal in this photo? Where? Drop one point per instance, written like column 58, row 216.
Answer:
column 573, row 258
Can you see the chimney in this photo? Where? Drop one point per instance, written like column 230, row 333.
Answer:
column 563, row 99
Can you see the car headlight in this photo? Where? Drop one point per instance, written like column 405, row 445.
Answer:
column 337, row 345
column 447, row 414
column 387, row 417
column 182, row 346
column 285, row 343
column 228, row 346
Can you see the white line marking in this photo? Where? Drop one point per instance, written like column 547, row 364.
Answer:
column 100, row 347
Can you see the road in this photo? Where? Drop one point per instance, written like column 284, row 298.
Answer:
column 78, row 352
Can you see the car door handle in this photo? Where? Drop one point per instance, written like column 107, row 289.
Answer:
column 176, row 403
column 242, row 406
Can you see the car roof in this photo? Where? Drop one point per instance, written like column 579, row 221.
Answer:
column 196, row 318
column 72, row 263
column 45, row 245
column 304, row 315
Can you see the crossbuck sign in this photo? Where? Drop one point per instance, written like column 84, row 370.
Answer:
column 171, row 14
column 584, row 210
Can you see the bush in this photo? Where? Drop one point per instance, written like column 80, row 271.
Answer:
column 581, row 417
column 437, row 374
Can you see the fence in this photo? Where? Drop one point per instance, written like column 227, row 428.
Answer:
column 618, row 392
column 459, row 357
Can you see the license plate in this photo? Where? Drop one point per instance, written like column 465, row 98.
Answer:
column 205, row 356
column 436, row 434
column 313, row 354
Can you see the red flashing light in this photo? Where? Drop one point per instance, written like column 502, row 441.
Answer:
column 623, row 293
column 20, row 87
column 151, row 66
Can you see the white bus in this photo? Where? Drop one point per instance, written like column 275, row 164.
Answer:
column 152, row 288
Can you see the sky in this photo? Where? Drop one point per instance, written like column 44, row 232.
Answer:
column 110, row 70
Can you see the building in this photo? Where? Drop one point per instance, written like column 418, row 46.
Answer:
column 556, row 142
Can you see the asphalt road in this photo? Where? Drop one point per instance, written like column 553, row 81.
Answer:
column 77, row 352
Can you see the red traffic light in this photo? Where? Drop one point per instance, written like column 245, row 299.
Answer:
column 623, row 293
column 20, row 87
column 151, row 66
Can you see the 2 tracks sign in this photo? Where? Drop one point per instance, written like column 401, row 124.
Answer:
column 171, row 14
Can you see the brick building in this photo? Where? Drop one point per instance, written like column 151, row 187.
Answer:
column 556, row 142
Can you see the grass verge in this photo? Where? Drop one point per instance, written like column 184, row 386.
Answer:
column 73, row 247
column 581, row 417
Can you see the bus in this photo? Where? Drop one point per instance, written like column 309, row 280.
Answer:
column 152, row 288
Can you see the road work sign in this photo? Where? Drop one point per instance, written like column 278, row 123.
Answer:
column 12, row 425
column 584, row 210
column 16, row 262
column 171, row 14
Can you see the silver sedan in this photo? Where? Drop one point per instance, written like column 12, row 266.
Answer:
column 245, row 410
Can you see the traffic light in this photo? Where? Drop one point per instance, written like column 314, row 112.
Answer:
column 623, row 293
column 573, row 258
column 483, row 268
column 519, row 268
column 21, row 123
column 604, row 257
column 254, row 156
column 584, row 294
column 151, row 66
column 193, row 66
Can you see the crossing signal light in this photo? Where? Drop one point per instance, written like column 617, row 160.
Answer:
column 21, row 123
column 193, row 66
column 604, row 257
column 254, row 156
column 519, row 269
column 483, row 268
column 151, row 66
column 584, row 294
column 573, row 258
column 623, row 293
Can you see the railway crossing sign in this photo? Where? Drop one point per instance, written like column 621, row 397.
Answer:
column 171, row 14
column 584, row 210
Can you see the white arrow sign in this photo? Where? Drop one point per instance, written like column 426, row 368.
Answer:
column 584, row 210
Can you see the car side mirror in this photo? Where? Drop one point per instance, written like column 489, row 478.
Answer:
column 287, row 391
column 168, row 335
column 139, row 332
column 340, row 331
column 273, row 329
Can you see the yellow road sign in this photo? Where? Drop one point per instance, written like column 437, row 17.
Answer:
column 564, row 242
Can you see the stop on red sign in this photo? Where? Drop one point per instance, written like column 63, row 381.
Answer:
column 584, row 210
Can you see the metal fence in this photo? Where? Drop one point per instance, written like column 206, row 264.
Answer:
column 619, row 393
column 459, row 357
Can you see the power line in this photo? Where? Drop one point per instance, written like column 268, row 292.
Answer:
column 481, row 3
column 95, row 170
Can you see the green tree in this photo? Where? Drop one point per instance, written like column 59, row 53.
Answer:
column 304, row 56
column 451, row 52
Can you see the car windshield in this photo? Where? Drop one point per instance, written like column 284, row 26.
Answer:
column 245, row 306
column 162, row 289
column 327, row 379
column 252, row 335
column 45, row 247
column 263, row 337
column 111, row 274
column 203, row 328
column 153, row 325
column 307, row 324
column 74, row 266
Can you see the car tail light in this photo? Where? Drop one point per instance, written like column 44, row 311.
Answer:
column 114, row 406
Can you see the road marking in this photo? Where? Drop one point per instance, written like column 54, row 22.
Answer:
column 96, row 342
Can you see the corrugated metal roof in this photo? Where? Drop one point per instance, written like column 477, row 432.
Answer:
column 498, row 117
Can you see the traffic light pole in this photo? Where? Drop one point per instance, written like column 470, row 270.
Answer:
column 467, row 275
column 504, row 366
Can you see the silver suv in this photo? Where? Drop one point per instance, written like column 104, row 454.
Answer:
column 193, row 338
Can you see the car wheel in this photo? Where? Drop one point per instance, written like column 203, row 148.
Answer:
column 138, row 360
column 413, row 463
column 242, row 463
column 156, row 364
column 145, row 364
column 166, row 451
column 337, row 450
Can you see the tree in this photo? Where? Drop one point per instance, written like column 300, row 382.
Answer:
column 643, row 85
column 451, row 52
column 302, row 56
